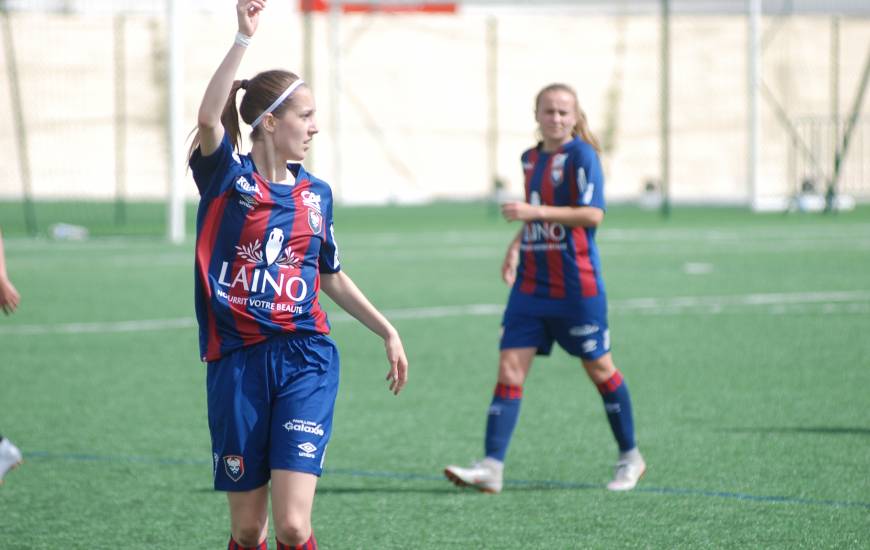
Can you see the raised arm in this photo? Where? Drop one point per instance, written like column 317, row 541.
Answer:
column 210, row 129
column 350, row 298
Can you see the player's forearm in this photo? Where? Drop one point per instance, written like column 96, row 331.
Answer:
column 350, row 298
column 3, row 274
column 218, row 90
column 571, row 216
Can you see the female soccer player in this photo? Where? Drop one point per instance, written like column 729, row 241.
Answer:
column 557, row 293
column 265, row 248
column 10, row 456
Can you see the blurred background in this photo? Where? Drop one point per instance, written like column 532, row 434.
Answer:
column 720, row 102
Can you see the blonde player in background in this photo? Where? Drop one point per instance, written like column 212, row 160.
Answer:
column 557, row 293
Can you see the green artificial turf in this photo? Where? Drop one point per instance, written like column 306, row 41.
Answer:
column 743, row 339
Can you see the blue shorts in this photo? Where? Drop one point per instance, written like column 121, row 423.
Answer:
column 581, row 331
column 270, row 406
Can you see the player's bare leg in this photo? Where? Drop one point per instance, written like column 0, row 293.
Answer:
column 514, row 365
column 487, row 475
column 630, row 465
column 249, row 517
column 292, row 500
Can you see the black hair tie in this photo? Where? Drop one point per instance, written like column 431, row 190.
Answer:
column 244, row 84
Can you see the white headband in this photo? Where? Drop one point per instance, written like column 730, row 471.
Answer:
column 298, row 82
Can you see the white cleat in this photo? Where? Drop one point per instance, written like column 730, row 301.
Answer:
column 10, row 457
column 629, row 469
column 485, row 476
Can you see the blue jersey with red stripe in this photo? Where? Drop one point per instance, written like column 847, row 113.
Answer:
column 559, row 264
column 260, row 249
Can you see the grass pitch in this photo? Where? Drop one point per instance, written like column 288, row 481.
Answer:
column 743, row 339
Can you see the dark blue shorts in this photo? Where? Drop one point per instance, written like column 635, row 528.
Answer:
column 581, row 330
column 270, row 406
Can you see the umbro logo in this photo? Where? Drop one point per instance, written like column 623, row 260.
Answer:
column 307, row 449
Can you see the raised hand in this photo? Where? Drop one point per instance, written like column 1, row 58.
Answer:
column 248, row 13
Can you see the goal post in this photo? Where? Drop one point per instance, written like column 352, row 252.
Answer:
column 175, row 132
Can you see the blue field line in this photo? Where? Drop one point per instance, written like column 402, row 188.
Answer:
column 529, row 483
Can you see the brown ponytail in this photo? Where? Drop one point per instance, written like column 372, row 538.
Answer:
column 229, row 119
column 230, row 116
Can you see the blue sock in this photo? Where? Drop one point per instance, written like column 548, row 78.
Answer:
column 501, row 420
column 617, row 404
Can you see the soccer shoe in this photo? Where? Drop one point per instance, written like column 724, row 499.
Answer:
column 485, row 476
column 629, row 469
column 10, row 457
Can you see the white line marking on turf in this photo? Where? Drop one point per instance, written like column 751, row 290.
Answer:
column 777, row 303
column 102, row 327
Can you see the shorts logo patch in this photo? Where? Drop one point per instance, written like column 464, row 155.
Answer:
column 305, row 426
column 234, row 466
column 307, row 449
column 583, row 330
column 589, row 346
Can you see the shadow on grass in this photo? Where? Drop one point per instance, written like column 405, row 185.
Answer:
column 448, row 489
column 822, row 430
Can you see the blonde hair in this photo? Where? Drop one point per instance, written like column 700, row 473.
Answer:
column 581, row 127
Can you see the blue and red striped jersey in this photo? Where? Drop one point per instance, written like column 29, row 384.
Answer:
column 260, row 249
column 559, row 262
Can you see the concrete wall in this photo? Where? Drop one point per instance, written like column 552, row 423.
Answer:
column 414, row 99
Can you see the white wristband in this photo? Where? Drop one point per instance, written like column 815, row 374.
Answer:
column 243, row 40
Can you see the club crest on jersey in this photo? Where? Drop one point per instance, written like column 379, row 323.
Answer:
column 234, row 465
column 315, row 221
column 246, row 187
column 557, row 168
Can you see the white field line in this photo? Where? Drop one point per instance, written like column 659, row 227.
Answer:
column 776, row 303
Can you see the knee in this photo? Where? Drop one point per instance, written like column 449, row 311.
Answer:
column 510, row 372
column 292, row 528
column 600, row 370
